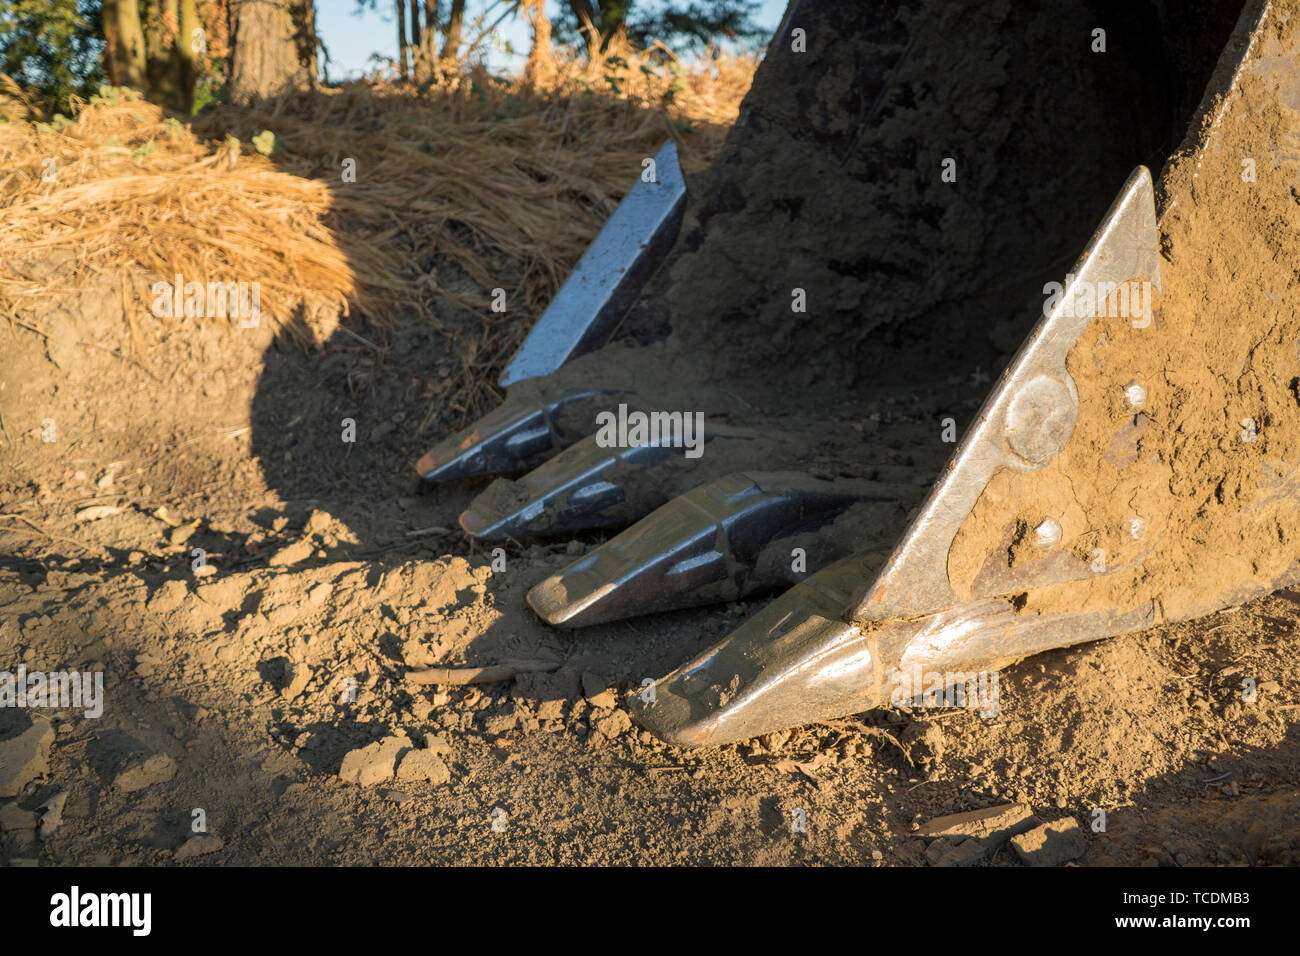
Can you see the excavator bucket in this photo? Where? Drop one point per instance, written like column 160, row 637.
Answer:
column 814, row 664
column 1137, row 462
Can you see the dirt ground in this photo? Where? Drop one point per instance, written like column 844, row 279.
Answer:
column 228, row 525
column 229, row 691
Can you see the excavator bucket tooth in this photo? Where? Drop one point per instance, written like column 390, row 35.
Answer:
column 702, row 547
column 610, row 274
column 516, row 436
column 799, row 661
column 795, row 658
column 590, row 485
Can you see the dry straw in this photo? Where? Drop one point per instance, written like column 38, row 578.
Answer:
column 468, row 186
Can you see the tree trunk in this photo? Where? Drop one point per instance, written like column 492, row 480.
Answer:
column 403, row 64
column 604, row 16
column 170, row 82
column 159, row 18
column 125, row 43
column 304, row 32
column 540, row 68
column 423, row 52
column 187, row 56
column 274, row 48
column 451, row 39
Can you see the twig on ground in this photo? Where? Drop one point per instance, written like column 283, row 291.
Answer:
column 506, row 670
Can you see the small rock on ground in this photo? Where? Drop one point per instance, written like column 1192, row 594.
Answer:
column 423, row 766
column 25, row 757
column 374, row 763
column 200, row 845
column 154, row 770
column 14, row 818
column 292, row 554
column 1051, row 844
column 614, row 724
column 968, row 839
column 979, row 823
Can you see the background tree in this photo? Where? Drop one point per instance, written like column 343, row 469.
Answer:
column 540, row 68
column 696, row 24
column 452, row 34
column 183, row 54
column 55, row 49
column 126, row 60
column 679, row 25
column 403, row 64
column 273, row 47
column 52, row 48
column 418, row 55
column 151, row 45
column 425, row 60
column 170, row 50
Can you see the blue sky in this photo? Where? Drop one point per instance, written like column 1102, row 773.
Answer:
column 351, row 39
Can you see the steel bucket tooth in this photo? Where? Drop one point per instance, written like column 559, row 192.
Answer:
column 799, row 661
column 793, row 661
column 700, row 548
column 517, row 436
column 610, row 274
column 588, row 486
